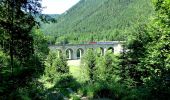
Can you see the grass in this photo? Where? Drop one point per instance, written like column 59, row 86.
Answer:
column 79, row 73
column 75, row 71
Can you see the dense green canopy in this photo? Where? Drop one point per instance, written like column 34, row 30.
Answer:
column 99, row 20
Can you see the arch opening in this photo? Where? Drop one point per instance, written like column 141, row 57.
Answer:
column 100, row 51
column 111, row 49
column 69, row 54
column 80, row 52
column 59, row 52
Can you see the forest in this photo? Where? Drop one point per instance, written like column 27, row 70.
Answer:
column 30, row 71
column 99, row 20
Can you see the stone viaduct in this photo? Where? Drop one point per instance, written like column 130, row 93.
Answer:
column 76, row 51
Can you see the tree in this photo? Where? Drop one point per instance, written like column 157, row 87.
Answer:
column 107, row 68
column 111, row 66
column 157, row 59
column 51, row 57
column 17, row 23
column 17, row 42
column 136, row 46
column 100, row 20
column 90, row 62
column 159, row 52
column 40, row 44
column 148, row 60
column 61, row 64
column 55, row 65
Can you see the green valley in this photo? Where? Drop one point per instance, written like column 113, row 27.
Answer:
column 99, row 20
column 95, row 50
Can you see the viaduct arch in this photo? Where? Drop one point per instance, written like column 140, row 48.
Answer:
column 76, row 51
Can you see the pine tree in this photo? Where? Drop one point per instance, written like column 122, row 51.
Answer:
column 61, row 64
column 90, row 62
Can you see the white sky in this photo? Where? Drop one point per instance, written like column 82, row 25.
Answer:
column 57, row 6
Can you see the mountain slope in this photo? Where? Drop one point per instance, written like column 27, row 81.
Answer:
column 99, row 20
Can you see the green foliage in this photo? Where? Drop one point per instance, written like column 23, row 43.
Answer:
column 114, row 90
column 99, row 20
column 107, row 68
column 40, row 44
column 4, row 62
column 67, row 81
column 106, row 77
column 16, row 28
column 142, row 68
column 157, row 57
column 89, row 60
column 21, row 60
column 50, row 58
column 143, row 72
column 57, row 74
column 55, row 65
column 75, row 97
column 159, row 52
column 50, row 70
column 147, row 62
column 61, row 64
column 136, row 46
column 79, row 73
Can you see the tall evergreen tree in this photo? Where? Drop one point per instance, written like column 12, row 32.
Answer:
column 61, row 64
column 16, row 23
column 148, row 60
column 90, row 62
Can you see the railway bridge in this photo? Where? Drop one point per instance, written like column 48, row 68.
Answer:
column 76, row 51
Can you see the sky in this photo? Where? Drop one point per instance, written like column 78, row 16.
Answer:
column 57, row 6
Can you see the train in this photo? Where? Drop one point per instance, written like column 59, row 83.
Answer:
column 106, row 42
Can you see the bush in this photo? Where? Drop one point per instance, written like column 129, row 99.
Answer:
column 67, row 81
column 74, row 97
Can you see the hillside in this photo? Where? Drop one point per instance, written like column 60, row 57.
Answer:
column 99, row 20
